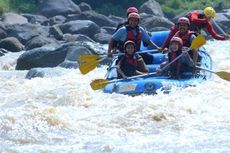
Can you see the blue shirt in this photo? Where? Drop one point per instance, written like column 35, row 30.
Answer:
column 121, row 34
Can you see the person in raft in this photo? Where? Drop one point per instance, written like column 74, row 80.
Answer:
column 128, row 11
column 131, row 63
column 135, row 33
column 175, row 49
column 198, row 21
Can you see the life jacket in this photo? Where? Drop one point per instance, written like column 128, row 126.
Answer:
column 171, row 57
column 194, row 26
column 129, row 64
column 132, row 37
column 185, row 38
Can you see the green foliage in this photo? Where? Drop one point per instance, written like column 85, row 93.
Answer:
column 19, row 6
column 23, row 6
column 4, row 6
column 170, row 7
column 174, row 7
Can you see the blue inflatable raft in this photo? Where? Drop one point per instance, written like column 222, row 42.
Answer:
column 150, row 84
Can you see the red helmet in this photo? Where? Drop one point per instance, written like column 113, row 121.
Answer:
column 131, row 10
column 183, row 20
column 129, row 42
column 134, row 15
column 177, row 39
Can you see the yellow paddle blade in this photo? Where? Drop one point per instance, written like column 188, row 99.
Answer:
column 224, row 75
column 88, row 66
column 198, row 42
column 98, row 84
column 86, row 58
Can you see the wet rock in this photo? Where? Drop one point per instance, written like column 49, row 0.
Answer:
column 44, row 72
column 52, row 57
column 76, row 37
column 155, row 21
column 84, row 7
column 3, row 34
column 39, row 41
column 50, row 8
column 12, row 18
column 58, row 19
column 41, row 57
column 36, row 19
column 151, row 7
column 102, row 38
column 26, row 31
column 85, row 27
column 93, row 16
column 69, row 64
column 3, row 51
column 11, row 44
column 56, row 32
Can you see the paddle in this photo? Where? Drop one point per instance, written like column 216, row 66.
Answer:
column 91, row 61
column 90, row 65
column 222, row 74
column 101, row 83
column 87, row 58
column 196, row 43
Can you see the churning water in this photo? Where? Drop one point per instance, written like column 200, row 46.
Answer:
column 63, row 114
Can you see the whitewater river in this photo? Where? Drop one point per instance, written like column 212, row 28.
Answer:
column 63, row 114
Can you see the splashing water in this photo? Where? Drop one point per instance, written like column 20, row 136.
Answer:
column 63, row 114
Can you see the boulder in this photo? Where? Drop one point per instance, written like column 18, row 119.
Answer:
column 223, row 20
column 97, row 18
column 56, row 32
column 76, row 37
column 26, row 31
column 58, row 19
column 102, row 37
column 39, row 41
column 84, row 7
column 36, row 19
column 3, row 34
column 152, row 22
column 52, row 57
column 11, row 44
column 151, row 7
column 12, row 18
column 41, row 57
column 3, row 51
column 50, row 8
column 85, row 27
column 44, row 72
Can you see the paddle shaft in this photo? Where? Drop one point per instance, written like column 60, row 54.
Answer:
column 140, row 52
column 166, row 66
column 119, row 54
column 219, row 28
column 132, row 77
column 205, row 69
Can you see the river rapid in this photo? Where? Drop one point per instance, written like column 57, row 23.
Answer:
column 63, row 114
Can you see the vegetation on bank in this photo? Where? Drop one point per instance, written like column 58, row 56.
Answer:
column 170, row 8
column 19, row 6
